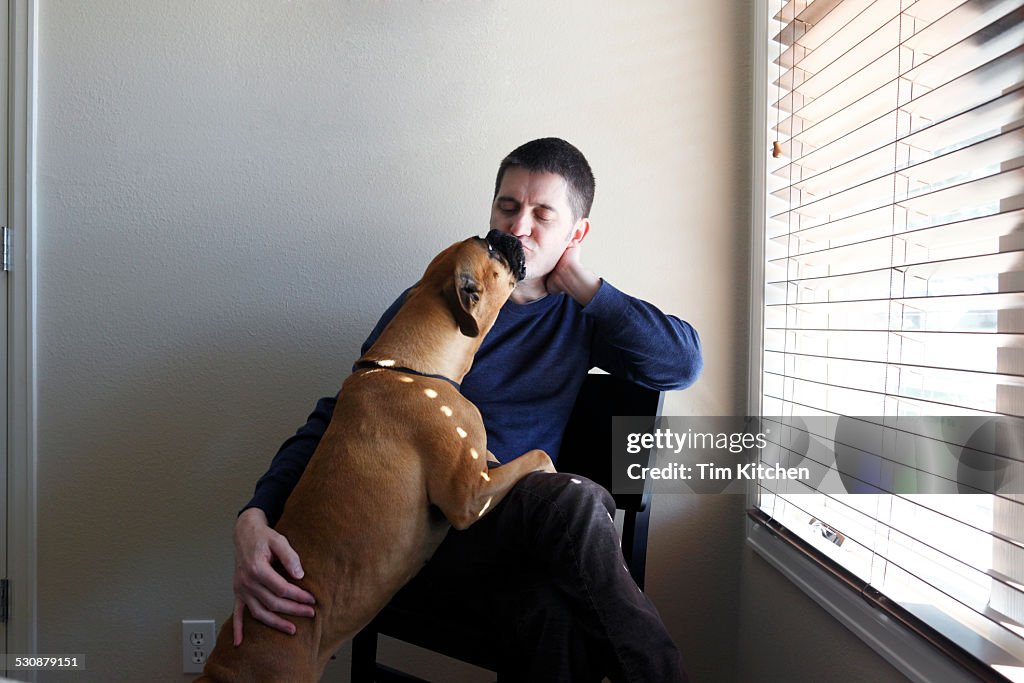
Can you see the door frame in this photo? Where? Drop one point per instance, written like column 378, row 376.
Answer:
column 23, row 39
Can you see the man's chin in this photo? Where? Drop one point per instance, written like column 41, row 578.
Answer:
column 528, row 265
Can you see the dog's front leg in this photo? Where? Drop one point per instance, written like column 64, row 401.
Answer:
column 494, row 484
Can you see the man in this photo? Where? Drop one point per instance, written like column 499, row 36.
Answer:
column 558, row 595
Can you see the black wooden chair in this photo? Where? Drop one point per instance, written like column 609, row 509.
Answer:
column 586, row 450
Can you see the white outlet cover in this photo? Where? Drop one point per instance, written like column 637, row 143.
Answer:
column 197, row 639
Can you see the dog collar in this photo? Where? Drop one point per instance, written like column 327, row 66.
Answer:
column 364, row 364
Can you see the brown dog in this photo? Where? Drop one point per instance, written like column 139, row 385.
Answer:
column 401, row 443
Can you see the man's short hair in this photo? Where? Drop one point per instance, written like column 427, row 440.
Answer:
column 554, row 155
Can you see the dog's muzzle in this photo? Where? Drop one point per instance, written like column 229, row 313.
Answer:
column 511, row 249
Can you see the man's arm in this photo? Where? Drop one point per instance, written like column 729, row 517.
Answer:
column 274, row 487
column 636, row 341
column 632, row 338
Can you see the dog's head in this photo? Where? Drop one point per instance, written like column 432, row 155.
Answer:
column 476, row 277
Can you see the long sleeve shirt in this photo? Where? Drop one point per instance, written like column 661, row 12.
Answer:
column 527, row 373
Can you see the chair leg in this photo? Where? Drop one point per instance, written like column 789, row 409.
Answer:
column 634, row 543
column 364, row 655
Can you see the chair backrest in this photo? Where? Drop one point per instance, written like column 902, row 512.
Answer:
column 588, row 446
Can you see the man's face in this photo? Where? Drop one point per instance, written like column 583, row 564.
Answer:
column 534, row 207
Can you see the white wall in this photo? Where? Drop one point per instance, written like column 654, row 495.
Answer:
column 231, row 192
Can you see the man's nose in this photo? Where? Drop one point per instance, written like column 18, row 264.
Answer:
column 521, row 225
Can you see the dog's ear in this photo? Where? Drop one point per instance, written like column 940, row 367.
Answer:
column 463, row 301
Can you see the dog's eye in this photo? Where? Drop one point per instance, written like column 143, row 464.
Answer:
column 471, row 291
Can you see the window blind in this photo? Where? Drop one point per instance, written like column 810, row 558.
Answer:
column 894, row 286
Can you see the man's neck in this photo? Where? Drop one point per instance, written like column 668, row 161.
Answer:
column 528, row 291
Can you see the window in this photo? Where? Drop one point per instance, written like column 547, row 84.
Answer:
column 893, row 287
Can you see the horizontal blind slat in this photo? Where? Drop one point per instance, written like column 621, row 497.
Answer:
column 923, row 59
column 946, row 543
column 988, row 353
column 973, row 520
column 837, row 267
column 995, row 374
column 934, row 392
column 980, row 194
column 966, row 237
column 880, row 133
column 916, row 167
column 805, row 133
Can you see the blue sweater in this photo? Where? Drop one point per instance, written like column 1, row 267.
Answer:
column 527, row 373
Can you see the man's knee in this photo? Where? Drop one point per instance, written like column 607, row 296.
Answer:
column 568, row 491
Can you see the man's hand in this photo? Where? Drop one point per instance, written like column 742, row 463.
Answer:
column 258, row 586
column 571, row 277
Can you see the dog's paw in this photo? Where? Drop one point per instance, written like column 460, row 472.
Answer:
column 546, row 464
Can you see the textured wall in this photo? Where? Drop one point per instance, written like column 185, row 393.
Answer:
column 786, row 636
column 231, row 192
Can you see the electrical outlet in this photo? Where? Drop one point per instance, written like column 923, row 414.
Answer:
column 197, row 639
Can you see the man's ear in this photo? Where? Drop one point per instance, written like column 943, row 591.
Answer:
column 579, row 231
column 463, row 300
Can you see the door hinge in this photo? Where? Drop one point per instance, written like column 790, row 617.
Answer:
column 7, row 249
column 4, row 593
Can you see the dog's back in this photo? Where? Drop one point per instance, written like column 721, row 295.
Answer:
column 382, row 442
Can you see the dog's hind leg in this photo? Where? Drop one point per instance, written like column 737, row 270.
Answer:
column 265, row 655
